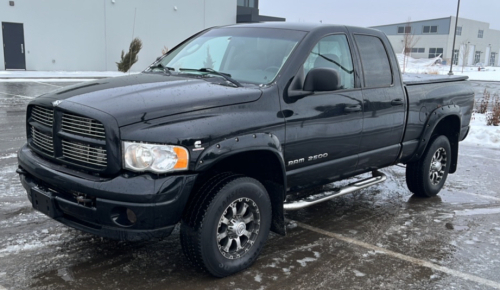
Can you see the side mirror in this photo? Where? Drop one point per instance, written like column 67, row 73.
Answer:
column 322, row 79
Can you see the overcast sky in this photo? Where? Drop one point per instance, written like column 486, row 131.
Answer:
column 379, row 12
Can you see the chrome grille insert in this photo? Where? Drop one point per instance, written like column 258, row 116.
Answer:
column 42, row 140
column 43, row 115
column 83, row 126
column 86, row 153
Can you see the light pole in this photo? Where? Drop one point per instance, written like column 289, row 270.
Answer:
column 450, row 73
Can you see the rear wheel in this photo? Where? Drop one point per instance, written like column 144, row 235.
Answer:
column 427, row 176
column 227, row 225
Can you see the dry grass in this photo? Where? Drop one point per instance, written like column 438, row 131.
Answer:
column 483, row 105
column 493, row 118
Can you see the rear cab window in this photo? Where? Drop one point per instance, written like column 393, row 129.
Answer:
column 374, row 60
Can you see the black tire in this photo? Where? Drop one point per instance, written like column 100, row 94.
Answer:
column 422, row 178
column 210, row 216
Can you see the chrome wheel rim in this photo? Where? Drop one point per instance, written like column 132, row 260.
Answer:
column 438, row 166
column 238, row 228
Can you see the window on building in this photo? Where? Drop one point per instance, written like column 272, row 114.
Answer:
column 459, row 30
column 418, row 50
column 492, row 58
column 455, row 56
column 430, row 29
column 246, row 3
column 477, row 56
column 435, row 52
column 333, row 52
column 404, row 29
column 376, row 67
column 480, row 33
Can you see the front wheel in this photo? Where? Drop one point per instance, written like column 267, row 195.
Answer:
column 427, row 176
column 228, row 225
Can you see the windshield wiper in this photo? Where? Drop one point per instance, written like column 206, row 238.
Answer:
column 166, row 69
column 214, row 72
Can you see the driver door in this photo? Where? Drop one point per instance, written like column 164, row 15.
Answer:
column 323, row 129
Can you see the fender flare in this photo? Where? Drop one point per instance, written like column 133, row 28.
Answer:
column 219, row 151
column 433, row 120
column 239, row 144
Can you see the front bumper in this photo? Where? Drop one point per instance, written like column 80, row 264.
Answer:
column 126, row 208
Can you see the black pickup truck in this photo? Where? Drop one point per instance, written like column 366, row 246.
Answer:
column 224, row 132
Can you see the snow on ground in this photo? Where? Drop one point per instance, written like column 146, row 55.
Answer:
column 428, row 66
column 57, row 76
column 482, row 135
column 61, row 74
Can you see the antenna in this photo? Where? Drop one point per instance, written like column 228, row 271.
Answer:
column 133, row 32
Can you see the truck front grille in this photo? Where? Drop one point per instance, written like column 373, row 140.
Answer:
column 85, row 153
column 68, row 138
column 83, row 126
column 42, row 141
column 43, row 115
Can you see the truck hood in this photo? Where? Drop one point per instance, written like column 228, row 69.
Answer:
column 144, row 96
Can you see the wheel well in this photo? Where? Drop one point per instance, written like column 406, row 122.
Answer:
column 263, row 165
column 450, row 127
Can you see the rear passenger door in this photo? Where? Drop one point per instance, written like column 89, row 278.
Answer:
column 383, row 102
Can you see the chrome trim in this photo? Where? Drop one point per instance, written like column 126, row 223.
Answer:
column 377, row 177
column 43, row 115
column 41, row 140
column 83, row 126
column 84, row 153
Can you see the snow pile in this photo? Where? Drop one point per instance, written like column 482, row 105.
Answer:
column 482, row 135
column 419, row 65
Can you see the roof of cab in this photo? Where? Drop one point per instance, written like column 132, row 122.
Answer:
column 294, row 26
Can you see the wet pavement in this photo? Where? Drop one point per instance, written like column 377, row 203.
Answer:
column 378, row 238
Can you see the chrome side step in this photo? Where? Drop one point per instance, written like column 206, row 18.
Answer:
column 377, row 177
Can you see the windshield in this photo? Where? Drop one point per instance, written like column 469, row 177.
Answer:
column 247, row 55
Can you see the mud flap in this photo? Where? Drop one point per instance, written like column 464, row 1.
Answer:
column 276, row 194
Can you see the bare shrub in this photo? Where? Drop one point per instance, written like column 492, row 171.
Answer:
column 493, row 118
column 409, row 41
column 464, row 53
column 485, row 101
column 164, row 50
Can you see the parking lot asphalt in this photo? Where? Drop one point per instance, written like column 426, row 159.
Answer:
column 378, row 238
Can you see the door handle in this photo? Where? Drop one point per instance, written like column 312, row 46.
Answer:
column 22, row 48
column 397, row 102
column 352, row 109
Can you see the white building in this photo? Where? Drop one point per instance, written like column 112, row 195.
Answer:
column 89, row 35
column 475, row 42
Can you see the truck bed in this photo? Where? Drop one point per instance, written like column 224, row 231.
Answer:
column 420, row 79
column 426, row 93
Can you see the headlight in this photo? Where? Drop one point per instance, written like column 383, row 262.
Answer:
column 154, row 157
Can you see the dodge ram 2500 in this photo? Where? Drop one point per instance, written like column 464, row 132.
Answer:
column 221, row 133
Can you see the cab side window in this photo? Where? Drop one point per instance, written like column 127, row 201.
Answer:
column 333, row 52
